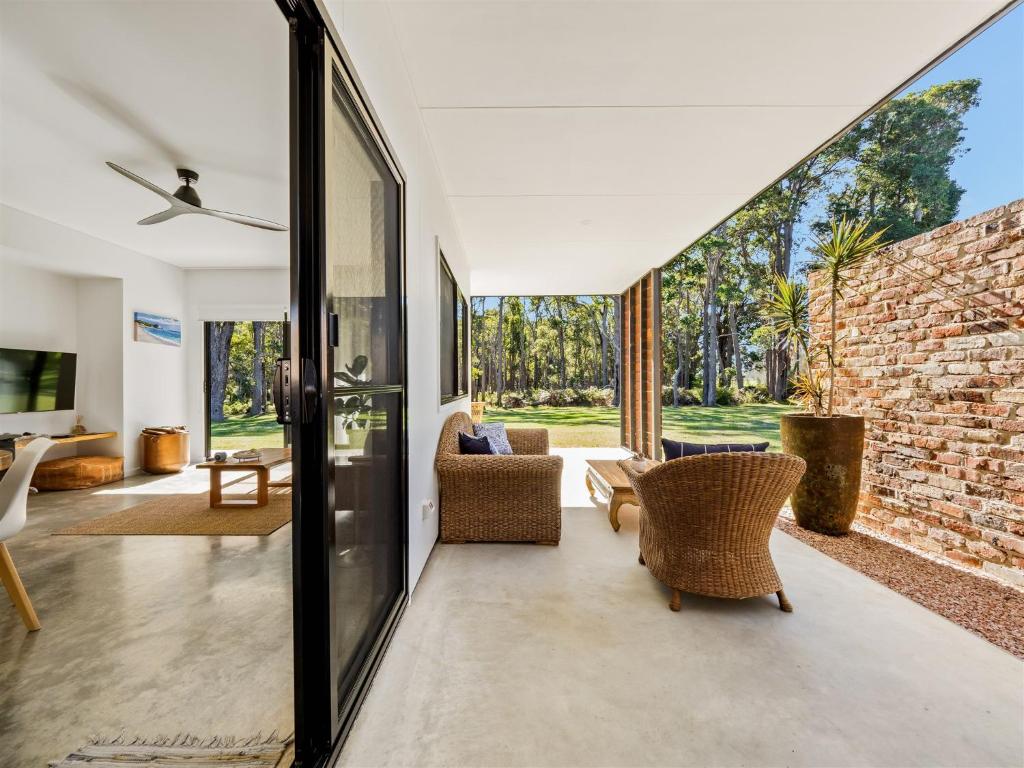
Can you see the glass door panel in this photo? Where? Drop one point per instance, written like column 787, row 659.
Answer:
column 363, row 296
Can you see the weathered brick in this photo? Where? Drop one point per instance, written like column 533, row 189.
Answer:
column 932, row 355
column 964, row 558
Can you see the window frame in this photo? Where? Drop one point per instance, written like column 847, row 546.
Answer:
column 460, row 372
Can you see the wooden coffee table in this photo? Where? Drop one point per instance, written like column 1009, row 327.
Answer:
column 269, row 457
column 604, row 476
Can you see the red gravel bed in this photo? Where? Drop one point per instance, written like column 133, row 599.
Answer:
column 979, row 605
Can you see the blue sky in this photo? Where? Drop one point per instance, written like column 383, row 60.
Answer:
column 992, row 171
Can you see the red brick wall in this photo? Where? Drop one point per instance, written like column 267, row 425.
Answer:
column 938, row 372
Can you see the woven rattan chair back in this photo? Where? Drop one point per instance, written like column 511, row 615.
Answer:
column 448, row 442
column 705, row 520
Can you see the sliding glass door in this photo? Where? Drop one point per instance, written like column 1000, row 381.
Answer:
column 343, row 390
column 367, row 393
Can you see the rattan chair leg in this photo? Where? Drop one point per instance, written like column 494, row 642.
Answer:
column 676, row 600
column 784, row 603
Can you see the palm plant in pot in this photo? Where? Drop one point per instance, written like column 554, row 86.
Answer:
column 832, row 444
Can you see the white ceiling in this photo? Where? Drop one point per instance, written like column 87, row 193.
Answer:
column 151, row 86
column 582, row 143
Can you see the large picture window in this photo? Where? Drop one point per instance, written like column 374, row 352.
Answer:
column 454, row 336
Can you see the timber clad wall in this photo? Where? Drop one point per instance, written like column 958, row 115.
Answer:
column 640, row 316
column 932, row 354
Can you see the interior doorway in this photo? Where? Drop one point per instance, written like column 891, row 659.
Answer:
column 240, row 358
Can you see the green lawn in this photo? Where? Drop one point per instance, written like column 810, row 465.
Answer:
column 599, row 426
column 567, row 427
column 236, row 433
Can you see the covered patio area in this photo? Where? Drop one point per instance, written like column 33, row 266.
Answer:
column 571, row 173
column 549, row 656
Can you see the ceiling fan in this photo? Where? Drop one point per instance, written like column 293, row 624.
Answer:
column 186, row 200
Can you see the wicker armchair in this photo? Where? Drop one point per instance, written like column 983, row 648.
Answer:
column 705, row 522
column 499, row 498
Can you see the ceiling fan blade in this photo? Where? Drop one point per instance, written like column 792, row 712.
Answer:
column 142, row 182
column 240, row 218
column 170, row 213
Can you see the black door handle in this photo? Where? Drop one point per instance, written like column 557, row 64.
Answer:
column 283, row 390
column 310, row 390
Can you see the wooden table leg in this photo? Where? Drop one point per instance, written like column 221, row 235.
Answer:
column 215, row 490
column 16, row 590
column 613, row 510
column 262, row 481
column 590, row 484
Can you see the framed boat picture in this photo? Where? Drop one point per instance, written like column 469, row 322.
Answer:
column 157, row 329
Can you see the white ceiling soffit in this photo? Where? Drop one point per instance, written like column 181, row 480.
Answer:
column 151, row 86
column 582, row 143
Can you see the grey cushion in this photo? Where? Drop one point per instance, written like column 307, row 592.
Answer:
column 497, row 435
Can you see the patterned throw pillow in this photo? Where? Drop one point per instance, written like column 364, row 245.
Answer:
column 676, row 450
column 475, row 446
column 498, row 436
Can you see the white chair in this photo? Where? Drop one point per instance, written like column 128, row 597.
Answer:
column 13, row 512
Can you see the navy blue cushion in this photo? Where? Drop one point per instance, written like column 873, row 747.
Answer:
column 676, row 450
column 474, row 445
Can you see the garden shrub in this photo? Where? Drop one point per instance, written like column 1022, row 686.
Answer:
column 755, row 393
column 726, row 396
column 556, row 398
column 236, row 407
column 514, row 400
column 686, row 396
column 541, row 397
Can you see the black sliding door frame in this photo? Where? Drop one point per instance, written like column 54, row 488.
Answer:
column 322, row 721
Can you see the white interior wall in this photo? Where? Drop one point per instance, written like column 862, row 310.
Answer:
column 217, row 295
column 369, row 38
column 99, row 393
column 154, row 386
column 37, row 311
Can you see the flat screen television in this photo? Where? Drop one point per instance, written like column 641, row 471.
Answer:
column 32, row 380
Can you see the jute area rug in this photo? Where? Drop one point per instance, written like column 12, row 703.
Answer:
column 180, row 751
column 188, row 515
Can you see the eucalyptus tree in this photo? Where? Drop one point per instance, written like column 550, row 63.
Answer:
column 901, row 157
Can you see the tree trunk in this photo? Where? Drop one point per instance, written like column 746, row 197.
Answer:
column 561, row 342
column 677, row 374
column 710, row 390
column 737, row 353
column 259, row 386
column 724, row 341
column 501, row 350
column 617, row 352
column 684, row 365
column 604, row 342
column 219, row 352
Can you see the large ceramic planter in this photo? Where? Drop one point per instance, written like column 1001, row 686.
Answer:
column 833, row 447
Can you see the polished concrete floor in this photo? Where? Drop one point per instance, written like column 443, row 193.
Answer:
column 145, row 635
column 520, row 655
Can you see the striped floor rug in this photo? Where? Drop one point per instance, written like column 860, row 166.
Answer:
column 181, row 750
